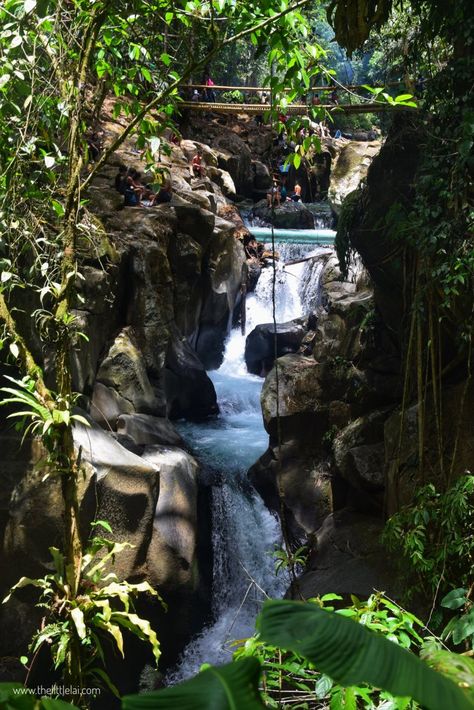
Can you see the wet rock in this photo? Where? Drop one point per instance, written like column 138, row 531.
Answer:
column 145, row 430
column 189, row 391
column 260, row 344
column 289, row 215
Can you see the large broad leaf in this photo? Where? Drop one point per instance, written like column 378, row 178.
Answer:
column 230, row 687
column 351, row 654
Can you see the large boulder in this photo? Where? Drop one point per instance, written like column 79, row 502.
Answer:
column 262, row 179
column 150, row 502
column 349, row 168
column 189, row 391
column 299, row 396
column 107, row 405
column 124, row 370
column 221, row 291
column 293, row 478
column 145, row 430
column 289, row 215
column 260, row 344
column 234, row 157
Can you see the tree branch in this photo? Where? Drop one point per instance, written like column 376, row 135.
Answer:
column 174, row 86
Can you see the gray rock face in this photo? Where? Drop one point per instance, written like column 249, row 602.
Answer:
column 150, row 502
column 226, row 259
column 348, row 558
column 107, row 405
column 303, row 483
column 189, row 391
column 262, row 180
column 349, row 167
column 359, row 452
column 289, row 215
column 235, row 158
column 172, row 557
column 124, row 370
column 260, row 344
column 145, row 430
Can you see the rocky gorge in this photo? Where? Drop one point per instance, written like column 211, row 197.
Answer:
column 160, row 293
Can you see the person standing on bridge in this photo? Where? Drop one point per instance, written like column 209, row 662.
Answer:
column 210, row 93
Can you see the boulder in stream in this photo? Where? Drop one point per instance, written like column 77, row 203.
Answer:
column 260, row 344
column 289, row 215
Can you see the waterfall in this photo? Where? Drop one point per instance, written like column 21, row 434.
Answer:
column 244, row 532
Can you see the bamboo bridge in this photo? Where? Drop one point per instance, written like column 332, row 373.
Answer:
column 263, row 105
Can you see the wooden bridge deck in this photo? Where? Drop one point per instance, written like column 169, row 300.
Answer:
column 291, row 109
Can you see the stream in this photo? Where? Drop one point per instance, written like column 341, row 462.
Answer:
column 245, row 533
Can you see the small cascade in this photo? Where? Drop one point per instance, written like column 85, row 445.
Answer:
column 244, row 532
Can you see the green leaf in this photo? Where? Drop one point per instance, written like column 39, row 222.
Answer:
column 56, row 704
column 351, row 654
column 103, row 524
column 455, row 599
column 230, row 687
column 58, row 208
column 78, row 618
column 140, row 627
column 452, row 665
column 25, row 582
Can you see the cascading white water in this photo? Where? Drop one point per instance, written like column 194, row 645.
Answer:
column 244, row 532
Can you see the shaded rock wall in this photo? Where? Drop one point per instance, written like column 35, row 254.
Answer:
column 340, row 402
column 160, row 286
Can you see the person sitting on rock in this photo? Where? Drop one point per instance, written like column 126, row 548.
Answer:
column 164, row 194
column 196, row 165
column 121, row 179
column 273, row 195
column 296, row 196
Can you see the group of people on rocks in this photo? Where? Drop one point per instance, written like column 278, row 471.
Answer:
column 279, row 193
column 128, row 182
